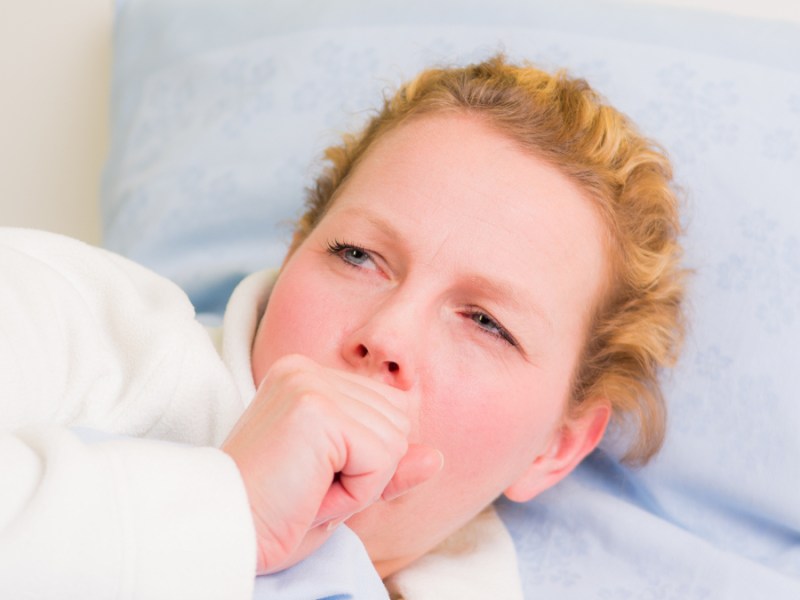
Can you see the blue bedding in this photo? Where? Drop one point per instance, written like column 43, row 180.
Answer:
column 220, row 113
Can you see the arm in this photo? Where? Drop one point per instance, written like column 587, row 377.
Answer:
column 88, row 339
column 121, row 518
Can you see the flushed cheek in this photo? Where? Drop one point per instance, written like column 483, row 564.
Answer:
column 306, row 326
column 484, row 436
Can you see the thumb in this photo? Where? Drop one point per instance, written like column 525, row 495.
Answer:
column 419, row 464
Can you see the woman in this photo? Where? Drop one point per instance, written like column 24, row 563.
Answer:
column 484, row 277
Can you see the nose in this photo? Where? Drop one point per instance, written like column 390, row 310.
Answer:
column 381, row 346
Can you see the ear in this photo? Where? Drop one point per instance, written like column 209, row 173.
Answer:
column 570, row 444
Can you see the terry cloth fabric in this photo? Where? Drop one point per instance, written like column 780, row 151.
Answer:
column 475, row 563
column 91, row 340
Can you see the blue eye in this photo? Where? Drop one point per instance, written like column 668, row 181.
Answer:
column 355, row 256
column 492, row 327
column 349, row 253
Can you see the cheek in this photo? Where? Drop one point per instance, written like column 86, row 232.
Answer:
column 299, row 319
column 488, row 431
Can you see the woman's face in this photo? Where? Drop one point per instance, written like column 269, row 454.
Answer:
column 463, row 271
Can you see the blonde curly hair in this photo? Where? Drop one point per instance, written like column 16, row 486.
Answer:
column 638, row 325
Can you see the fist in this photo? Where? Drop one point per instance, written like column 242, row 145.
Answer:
column 317, row 445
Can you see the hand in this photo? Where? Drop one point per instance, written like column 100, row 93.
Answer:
column 317, row 445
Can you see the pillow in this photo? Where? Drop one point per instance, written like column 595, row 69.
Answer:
column 220, row 112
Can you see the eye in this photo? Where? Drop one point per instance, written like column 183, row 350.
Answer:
column 491, row 326
column 351, row 254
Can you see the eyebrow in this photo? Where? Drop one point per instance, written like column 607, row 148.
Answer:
column 376, row 221
column 505, row 292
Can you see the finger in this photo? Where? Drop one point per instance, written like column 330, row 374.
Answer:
column 359, row 383
column 372, row 410
column 305, row 376
column 420, row 464
column 370, row 463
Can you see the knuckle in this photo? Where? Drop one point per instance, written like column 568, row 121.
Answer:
column 308, row 401
column 397, row 448
column 403, row 423
column 291, row 364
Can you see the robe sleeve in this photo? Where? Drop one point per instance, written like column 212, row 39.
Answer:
column 150, row 508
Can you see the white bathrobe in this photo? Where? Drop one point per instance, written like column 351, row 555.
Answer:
column 91, row 342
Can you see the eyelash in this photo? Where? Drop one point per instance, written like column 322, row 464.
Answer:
column 338, row 249
column 498, row 330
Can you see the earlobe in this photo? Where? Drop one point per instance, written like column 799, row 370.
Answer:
column 570, row 444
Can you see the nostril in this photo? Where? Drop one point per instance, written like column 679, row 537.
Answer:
column 362, row 350
column 393, row 367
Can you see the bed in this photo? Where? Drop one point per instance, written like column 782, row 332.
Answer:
column 188, row 148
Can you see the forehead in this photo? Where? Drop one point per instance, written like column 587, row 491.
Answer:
column 466, row 198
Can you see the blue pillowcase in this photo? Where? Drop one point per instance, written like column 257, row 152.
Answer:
column 220, row 113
